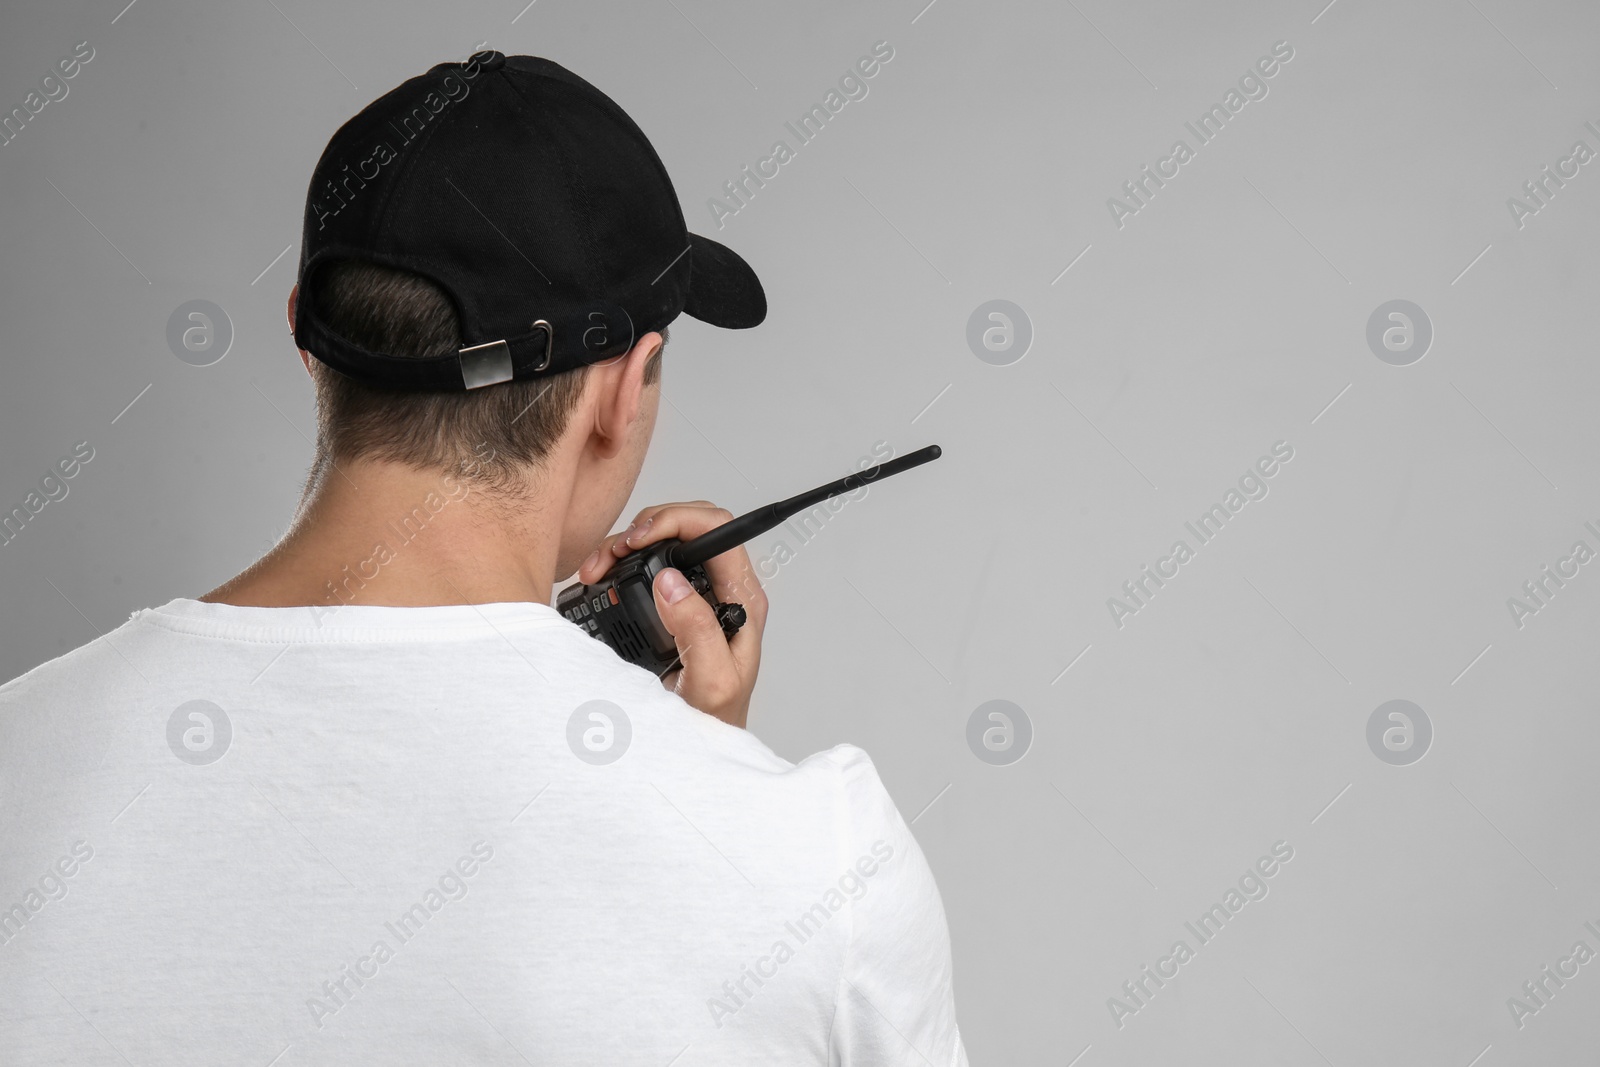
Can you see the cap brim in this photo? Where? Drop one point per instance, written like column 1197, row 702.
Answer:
column 723, row 290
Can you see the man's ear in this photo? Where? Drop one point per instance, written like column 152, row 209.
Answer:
column 618, row 387
column 305, row 357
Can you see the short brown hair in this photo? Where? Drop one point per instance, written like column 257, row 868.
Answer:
column 405, row 315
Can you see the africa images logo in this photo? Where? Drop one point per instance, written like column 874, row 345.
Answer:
column 337, row 192
column 1252, row 485
column 1142, row 188
column 1140, row 991
column 741, row 189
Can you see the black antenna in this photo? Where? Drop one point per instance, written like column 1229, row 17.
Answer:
column 736, row 532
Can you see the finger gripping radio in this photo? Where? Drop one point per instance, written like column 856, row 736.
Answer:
column 620, row 609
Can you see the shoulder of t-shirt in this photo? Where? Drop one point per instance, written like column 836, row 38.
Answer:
column 858, row 776
column 94, row 663
column 870, row 811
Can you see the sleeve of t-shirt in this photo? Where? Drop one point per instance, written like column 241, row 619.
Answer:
column 896, row 995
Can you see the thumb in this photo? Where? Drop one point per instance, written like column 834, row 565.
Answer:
column 686, row 614
column 691, row 621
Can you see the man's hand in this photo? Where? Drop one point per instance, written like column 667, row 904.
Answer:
column 718, row 673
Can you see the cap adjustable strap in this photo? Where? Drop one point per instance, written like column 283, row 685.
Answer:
column 490, row 363
column 591, row 333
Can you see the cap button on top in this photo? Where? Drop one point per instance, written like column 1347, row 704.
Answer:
column 488, row 60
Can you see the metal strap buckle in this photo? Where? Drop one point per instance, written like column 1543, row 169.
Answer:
column 486, row 364
column 490, row 363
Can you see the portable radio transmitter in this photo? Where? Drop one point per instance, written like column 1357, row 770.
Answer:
column 620, row 609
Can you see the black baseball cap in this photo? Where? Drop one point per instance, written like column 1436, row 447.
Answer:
column 534, row 202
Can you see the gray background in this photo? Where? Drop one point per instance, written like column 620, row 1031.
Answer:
column 1222, row 318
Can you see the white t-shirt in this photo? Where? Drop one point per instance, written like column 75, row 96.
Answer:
column 442, row 835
